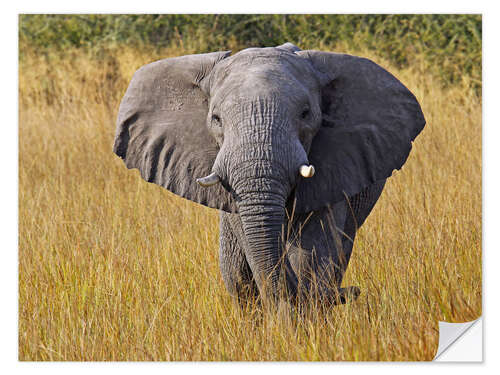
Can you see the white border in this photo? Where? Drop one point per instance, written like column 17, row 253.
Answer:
column 8, row 154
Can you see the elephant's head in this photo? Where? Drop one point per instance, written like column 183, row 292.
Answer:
column 240, row 133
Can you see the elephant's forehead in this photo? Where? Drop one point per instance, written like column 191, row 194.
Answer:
column 263, row 62
column 268, row 52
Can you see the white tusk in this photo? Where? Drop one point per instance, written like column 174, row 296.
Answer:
column 209, row 180
column 306, row 171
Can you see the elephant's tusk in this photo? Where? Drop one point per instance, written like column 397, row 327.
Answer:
column 209, row 180
column 306, row 171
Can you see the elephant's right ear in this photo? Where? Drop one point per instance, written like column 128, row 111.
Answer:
column 369, row 122
column 161, row 128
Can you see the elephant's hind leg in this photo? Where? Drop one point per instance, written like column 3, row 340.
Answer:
column 235, row 270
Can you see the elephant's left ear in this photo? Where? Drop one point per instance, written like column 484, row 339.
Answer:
column 369, row 122
column 161, row 128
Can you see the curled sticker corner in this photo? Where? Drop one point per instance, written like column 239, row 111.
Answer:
column 449, row 333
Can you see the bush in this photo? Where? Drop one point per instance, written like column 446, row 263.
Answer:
column 451, row 44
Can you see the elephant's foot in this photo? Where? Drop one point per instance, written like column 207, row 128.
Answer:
column 344, row 295
column 331, row 296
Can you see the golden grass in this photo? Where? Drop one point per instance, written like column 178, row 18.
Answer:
column 114, row 268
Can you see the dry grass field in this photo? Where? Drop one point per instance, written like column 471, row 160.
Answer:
column 114, row 268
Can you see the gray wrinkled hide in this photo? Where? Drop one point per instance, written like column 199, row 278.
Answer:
column 311, row 243
column 361, row 125
column 161, row 132
column 369, row 121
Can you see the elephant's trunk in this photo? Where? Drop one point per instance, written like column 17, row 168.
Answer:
column 261, row 205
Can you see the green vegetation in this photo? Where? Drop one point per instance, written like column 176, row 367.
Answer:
column 450, row 44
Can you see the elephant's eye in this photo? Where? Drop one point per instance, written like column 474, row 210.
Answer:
column 216, row 120
column 305, row 113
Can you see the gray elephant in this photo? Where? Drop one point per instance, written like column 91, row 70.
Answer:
column 293, row 147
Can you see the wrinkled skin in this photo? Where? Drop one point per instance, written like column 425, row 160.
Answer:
column 252, row 120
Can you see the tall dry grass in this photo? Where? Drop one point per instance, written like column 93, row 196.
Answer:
column 114, row 268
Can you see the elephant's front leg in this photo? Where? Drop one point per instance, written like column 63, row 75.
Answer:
column 320, row 244
column 319, row 250
column 235, row 270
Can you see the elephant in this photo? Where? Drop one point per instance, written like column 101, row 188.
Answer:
column 292, row 146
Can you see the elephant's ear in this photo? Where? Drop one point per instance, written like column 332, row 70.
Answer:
column 369, row 122
column 161, row 128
